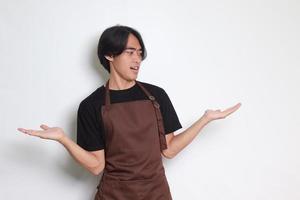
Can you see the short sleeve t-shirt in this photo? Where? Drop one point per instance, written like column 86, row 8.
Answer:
column 90, row 129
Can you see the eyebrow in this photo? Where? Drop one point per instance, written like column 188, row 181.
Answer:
column 131, row 48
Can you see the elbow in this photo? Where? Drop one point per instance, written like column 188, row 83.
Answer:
column 97, row 170
column 168, row 154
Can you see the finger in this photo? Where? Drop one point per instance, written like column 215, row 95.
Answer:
column 232, row 109
column 30, row 132
column 27, row 131
column 34, row 133
column 22, row 130
column 44, row 127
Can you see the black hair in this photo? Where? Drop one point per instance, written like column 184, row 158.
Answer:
column 113, row 42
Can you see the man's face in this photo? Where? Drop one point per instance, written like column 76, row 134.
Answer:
column 126, row 65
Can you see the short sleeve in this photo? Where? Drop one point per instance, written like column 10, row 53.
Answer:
column 170, row 118
column 89, row 132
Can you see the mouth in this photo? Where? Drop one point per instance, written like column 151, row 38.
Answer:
column 135, row 68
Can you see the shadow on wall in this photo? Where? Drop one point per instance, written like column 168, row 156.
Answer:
column 95, row 63
column 70, row 167
column 40, row 157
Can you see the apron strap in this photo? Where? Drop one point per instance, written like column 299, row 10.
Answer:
column 161, row 129
column 107, row 96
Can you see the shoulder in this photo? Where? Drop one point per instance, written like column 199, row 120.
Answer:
column 157, row 91
column 154, row 89
column 94, row 99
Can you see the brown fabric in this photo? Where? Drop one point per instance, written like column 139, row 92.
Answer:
column 135, row 137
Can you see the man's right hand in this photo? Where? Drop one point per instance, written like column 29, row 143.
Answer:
column 52, row 133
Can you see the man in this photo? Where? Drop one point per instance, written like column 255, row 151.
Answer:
column 126, row 126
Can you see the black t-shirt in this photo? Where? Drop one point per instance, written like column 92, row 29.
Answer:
column 90, row 130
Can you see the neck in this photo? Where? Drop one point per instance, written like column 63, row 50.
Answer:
column 117, row 83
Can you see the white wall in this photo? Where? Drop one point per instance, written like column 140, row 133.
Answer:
column 205, row 54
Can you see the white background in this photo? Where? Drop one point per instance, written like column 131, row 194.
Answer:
column 205, row 54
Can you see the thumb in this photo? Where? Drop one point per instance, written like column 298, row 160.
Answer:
column 44, row 127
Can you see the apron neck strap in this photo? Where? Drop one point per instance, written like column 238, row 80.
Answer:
column 163, row 143
column 107, row 95
column 152, row 98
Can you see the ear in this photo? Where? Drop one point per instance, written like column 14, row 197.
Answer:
column 109, row 58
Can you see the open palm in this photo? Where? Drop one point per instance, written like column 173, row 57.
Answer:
column 218, row 114
column 52, row 133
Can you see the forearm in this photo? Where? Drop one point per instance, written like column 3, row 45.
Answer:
column 181, row 140
column 83, row 157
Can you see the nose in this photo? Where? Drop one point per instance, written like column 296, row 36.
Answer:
column 137, row 57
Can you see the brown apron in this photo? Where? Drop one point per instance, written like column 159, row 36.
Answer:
column 134, row 139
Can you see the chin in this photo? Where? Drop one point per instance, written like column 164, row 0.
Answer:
column 132, row 78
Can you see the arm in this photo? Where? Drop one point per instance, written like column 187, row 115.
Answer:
column 93, row 161
column 178, row 142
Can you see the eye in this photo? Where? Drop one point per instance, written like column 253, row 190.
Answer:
column 130, row 52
